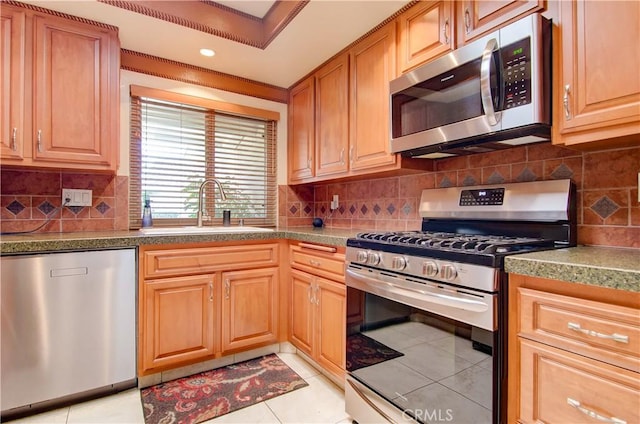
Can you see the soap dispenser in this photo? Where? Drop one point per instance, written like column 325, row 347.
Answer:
column 147, row 220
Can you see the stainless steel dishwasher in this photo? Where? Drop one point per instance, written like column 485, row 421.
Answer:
column 68, row 327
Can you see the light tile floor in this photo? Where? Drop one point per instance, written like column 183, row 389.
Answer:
column 320, row 402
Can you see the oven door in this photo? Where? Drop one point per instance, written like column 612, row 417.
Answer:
column 420, row 351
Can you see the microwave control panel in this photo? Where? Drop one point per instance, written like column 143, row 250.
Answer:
column 516, row 60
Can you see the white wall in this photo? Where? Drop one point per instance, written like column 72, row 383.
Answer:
column 127, row 78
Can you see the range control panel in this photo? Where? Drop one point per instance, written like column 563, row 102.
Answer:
column 482, row 197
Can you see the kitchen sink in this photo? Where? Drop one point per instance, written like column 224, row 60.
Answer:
column 202, row 230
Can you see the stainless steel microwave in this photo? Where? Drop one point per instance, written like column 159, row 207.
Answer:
column 491, row 94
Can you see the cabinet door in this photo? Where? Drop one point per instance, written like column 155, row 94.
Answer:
column 477, row 17
column 332, row 117
column 12, row 87
column 330, row 325
column 302, row 311
column 249, row 308
column 177, row 320
column 373, row 65
column 426, row 31
column 75, row 93
column 301, row 139
column 598, row 93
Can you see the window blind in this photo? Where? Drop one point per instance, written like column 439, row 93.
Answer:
column 176, row 146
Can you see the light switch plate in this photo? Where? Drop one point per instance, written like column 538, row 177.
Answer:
column 78, row 197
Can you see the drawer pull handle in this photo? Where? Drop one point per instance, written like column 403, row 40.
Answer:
column 210, row 292
column 227, row 289
column 318, row 247
column 576, row 404
column 14, row 137
column 314, row 263
column 615, row 336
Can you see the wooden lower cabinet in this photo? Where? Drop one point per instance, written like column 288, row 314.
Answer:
column 249, row 308
column 573, row 353
column 318, row 311
column 561, row 387
column 178, row 324
column 201, row 302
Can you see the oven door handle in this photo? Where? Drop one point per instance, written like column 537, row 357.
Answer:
column 388, row 288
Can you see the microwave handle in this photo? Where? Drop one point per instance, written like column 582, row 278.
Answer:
column 485, row 82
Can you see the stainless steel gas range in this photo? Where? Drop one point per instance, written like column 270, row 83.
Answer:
column 427, row 309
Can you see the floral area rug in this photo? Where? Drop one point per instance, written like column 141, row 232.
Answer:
column 209, row 394
column 363, row 351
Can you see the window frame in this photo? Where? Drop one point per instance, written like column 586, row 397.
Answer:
column 135, row 168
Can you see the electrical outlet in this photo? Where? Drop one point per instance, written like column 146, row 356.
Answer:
column 334, row 202
column 78, row 197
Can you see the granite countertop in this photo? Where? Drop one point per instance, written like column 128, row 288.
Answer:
column 50, row 242
column 616, row 268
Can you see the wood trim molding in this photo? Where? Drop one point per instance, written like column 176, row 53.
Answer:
column 177, row 71
column 137, row 90
column 219, row 20
column 39, row 9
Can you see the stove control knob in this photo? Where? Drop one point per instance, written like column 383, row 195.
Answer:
column 448, row 272
column 361, row 257
column 398, row 263
column 430, row 269
column 373, row 258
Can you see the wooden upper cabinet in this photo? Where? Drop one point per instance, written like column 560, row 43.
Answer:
column 301, row 139
column 597, row 85
column 332, row 117
column 12, row 67
column 60, row 106
column 425, row 31
column 477, row 17
column 75, row 93
column 373, row 65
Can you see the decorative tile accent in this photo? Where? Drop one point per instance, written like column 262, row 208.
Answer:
column 46, row 207
column 323, row 209
column 353, row 209
column 562, row 172
column 102, row 207
column 377, row 209
column 605, row 207
column 469, row 181
column 15, row 207
column 364, row 209
column 495, row 178
column 446, row 183
column 293, row 209
column 307, row 210
column 406, row 209
column 391, row 209
column 342, row 210
column 526, row 176
column 75, row 209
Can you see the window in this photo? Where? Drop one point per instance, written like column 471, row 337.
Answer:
column 179, row 141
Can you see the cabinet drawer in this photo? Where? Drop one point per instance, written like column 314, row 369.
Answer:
column 318, row 260
column 597, row 330
column 169, row 262
column 560, row 387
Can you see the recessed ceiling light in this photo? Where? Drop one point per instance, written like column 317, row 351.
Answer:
column 207, row 52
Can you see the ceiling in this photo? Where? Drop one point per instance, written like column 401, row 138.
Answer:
column 321, row 29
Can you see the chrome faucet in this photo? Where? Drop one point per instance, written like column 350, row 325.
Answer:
column 223, row 196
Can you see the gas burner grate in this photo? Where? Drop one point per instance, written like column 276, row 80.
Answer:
column 485, row 244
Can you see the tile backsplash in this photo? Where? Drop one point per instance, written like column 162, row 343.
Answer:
column 608, row 208
column 29, row 197
column 607, row 184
